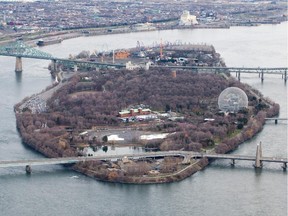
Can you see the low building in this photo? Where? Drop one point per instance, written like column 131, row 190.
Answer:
column 131, row 66
column 186, row 19
column 122, row 54
column 133, row 112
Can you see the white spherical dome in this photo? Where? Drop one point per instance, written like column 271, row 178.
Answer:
column 232, row 99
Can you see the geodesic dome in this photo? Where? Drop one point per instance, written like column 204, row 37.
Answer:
column 232, row 99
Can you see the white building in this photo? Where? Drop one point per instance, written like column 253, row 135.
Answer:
column 130, row 66
column 186, row 19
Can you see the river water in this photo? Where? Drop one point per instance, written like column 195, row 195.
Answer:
column 217, row 190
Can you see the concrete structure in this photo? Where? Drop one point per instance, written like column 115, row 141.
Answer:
column 18, row 66
column 238, row 70
column 276, row 119
column 53, row 66
column 186, row 155
column 186, row 19
column 258, row 161
column 261, row 72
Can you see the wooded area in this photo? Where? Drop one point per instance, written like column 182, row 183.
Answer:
column 95, row 98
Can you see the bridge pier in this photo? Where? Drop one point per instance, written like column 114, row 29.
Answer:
column 239, row 75
column 186, row 160
column 233, row 162
column 258, row 160
column 75, row 68
column 53, row 66
column 18, row 66
column 28, row 169
column 285, row 76
column 284, row 166
column 262, row 75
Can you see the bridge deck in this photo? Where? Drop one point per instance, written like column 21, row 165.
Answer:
column 71, row 160
column 276, row 118
column 278, row 70
column 242, row 157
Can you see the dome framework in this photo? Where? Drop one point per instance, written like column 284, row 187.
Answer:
column 232, row 99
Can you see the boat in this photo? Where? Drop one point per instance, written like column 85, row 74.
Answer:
column 42, row 42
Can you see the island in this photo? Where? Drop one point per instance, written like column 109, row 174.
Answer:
column 153, row 108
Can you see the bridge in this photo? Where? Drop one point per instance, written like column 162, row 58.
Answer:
column 187, row 156
column 238, row 70
column 20, row 50
column 276, row 119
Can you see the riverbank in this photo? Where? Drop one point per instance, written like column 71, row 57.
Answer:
column 32, row 38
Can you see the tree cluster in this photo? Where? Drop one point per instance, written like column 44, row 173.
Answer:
column 84, row 103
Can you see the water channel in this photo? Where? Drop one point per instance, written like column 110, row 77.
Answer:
column 217, row 190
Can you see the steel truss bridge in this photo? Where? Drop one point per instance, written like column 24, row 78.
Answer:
column 20, row 50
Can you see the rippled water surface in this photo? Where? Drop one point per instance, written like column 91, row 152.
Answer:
column 218, row 190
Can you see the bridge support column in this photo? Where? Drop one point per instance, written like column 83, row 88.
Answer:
column 75, row 68
column 284, row 166
column 28, row 169
column 239, row 75
column 262, row 75
column 276, row 121
column 53, row 66
column 285, row 76
column 18, row 66
column 233, row 162
column 258, row 161
column 186, row 160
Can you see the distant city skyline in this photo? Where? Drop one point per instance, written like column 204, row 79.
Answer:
column 30, row 16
